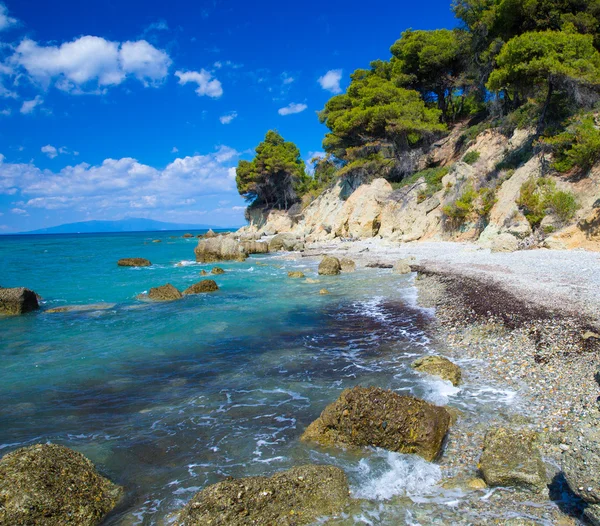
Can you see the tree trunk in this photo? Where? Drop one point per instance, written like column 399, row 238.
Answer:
column 542, row 120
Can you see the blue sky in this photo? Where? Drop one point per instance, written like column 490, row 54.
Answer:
column 112, row 109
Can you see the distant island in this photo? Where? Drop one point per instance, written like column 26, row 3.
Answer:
column 122, row 225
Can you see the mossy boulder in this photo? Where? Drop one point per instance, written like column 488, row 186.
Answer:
column 164, row 293
column 370, row 416
column 347, row 265
column 50, row 485
column 439, row 366
column 205, row 285
column 512, row 458
column 330, row 266
column 289, row 498
column 295, row 274
column 217, row 270
column 16, row 301
column 133, row 262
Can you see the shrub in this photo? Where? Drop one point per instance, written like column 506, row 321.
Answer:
column 538, row 197
column 433, row 179
column 471, row 157
column 458, row 211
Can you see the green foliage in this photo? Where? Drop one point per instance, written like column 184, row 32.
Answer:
column 577, row 147
column 472, row 157
column 539, row 197
column 433, row 181
column 458, row 211
column 275, row 177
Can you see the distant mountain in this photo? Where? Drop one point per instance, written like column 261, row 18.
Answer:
column 122, row 225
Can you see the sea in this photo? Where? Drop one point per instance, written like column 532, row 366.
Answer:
column 167, row 398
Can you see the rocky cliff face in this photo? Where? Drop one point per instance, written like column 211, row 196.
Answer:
column 412, row 213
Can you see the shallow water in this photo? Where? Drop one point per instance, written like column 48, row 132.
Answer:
column 167, row 398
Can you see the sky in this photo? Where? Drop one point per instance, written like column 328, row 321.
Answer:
column 119, row 108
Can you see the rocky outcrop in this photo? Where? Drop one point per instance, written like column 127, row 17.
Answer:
column 134, row 262
column 164, row 293
column 512, row 458
column 217, row 271
column 376, row 417
column 347, row 265
column 16, row 301
column 220, row 248
column 295, row 274
column 290, row 498
column 52, row 485
column 205, row 285
column 287, row 242
column 330, row 266
column 439, row 366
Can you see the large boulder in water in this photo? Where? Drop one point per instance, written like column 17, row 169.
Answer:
column 289, row 498
column 50, row 485
column 255, row 247
column 512, row 458
column 330, row 266
column 220, row 248
column 289, row 242
column 439, row 366
column 205, row 285
column 370, row 416
column 164, row 293
column 133, row 262
column 17, row 301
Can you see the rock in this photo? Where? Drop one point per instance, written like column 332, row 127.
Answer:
column 324, row 292
column 504, row 243
column 581, row 463
column 589, row 335
column 379, row 265
column 438, row 366
column 220, row 248
column 512, row 458
column 520, row 522
column 187, row 236
column 81, row 308
column 375, row 417
column 206, row 285
column 217, row 270
column 164, row 293
column 296, row 274
column 203, row 273
column 255, row 247
column 592, row 514
column 329, row 266
column 402, row 267
column 476, row 483
column 15, row 301
column 210, row 234
column 133, row 262
column 156, row 241
column 312, row 280
column 52, row 485
column 289, row 498
column 288, row 242
column 347, row 265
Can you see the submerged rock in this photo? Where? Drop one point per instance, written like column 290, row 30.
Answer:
column 438, row 366
column 220, row 248
column 206, row 285
column 296, row 274
column 217, row 271
column 50, row 485
column 164, row 293
column 512, row 458
column 347, row 265
column 156, row 241
column 581, row 464
column 81, row 308
column 370, row 416
column 324, row 292
column 133, row 262
column 289, row 498
column 17, row 301
column 330, row 266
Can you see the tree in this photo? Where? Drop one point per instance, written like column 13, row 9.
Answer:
column 275, row 177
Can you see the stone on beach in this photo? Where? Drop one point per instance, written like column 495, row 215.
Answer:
column 164, row 293
column 402, row 267
column 439, row 366
column 296, row 274
column 330, row 266
column 52, row 485
column 205, row 285
column 370, row 416
column 287, row 242
column 347, row 265
column 19, row 300
column 133, row 262
column 295, row 497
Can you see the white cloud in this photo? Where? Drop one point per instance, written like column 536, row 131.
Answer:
column 228, row 117
column 207, row 85
column 286, row 79
column 19, row 211
column 161, row 25
column 91, row 60
column 50, row 151
column 174, row 149
column 5, row 20
column 331, row 81
column 6, row 112
column 30, row 105
column 292, row 108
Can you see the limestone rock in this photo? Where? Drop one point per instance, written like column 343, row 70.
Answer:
column 376, row 417
column 581, row 464
column 18, row 300
column 255, row 247
column 210, row 234
column 347, row 265
column 205, row 285
column 133, row 262
column 439, row 366
column 287, row 242
column 402, row 267
column 164, row 293
column 217, row 271
column 504, row 243
column 329, row 266
column 296, row 274
column 50, row 485
column 512, row 458
column 220, row 248
column 289, row 498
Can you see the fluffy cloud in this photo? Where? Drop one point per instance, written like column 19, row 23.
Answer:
column 50, row 151
column 331, row 81
column 5, row 20
column 228, row 117
column 91, row 60
column 19, row 211
column 292, row 108
column 207, row 85
column 29, row 105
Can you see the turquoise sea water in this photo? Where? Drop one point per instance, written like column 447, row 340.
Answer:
column 168, row 397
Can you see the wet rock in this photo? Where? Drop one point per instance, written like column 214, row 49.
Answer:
column 287, row 242
column 164, row 293
column 19, row 300
column 376, row 417
column 347, row 265
column 81, row 308
column 476, row 483
column 592, row 514
column 50, row 485
column 205, row 285
column 402, row 267
column 255, row 247
column 324, row 292
column 290, row 498
column 217, row 270
column 512, row 458
column 133, row 262
column 329, row 266
column 203, row 273
column 438, row 366
column 581, row 462
column 296, row 274
column 220, row 248
column 187, row 236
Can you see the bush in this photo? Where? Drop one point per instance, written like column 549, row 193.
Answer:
column 458, row 211
column 471, row 157
column 539, row 197
column 433, row 179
